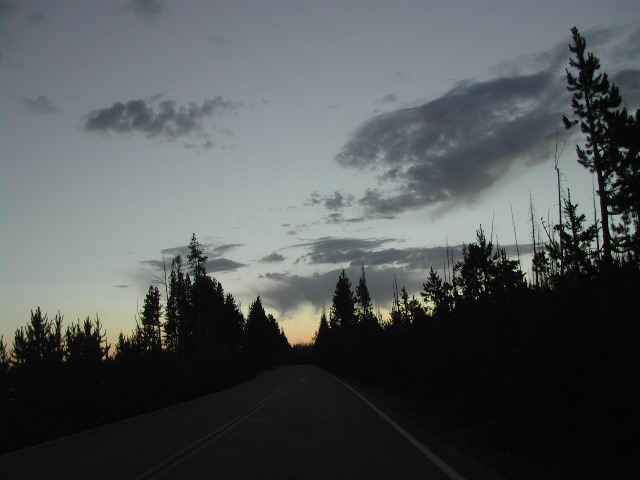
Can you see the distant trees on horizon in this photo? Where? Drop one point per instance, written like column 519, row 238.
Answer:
column 55, row 381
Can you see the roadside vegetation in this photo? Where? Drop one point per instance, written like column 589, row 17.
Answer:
column 537, row 373
column 56, row 381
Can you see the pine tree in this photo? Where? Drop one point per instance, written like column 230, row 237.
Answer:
column 265, row 344
column 594, row 100
column 475, row 269
column 437, row 295
column 577, row 240
column 178, row 325
column 4, row 359
column 85, row 344
column 196, row 259
column 343, row 314
column 40, row 344
column 321, row 338
column 150, row 321
column 364, row 304
column 623, row 147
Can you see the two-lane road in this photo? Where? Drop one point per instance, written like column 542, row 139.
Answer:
column 293, row 422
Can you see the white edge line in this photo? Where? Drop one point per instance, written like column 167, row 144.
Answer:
column 437, row 461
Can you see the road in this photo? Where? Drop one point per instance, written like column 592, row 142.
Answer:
column 293, row 422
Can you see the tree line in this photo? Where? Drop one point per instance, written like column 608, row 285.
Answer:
column 541, row 369
column 54, row 382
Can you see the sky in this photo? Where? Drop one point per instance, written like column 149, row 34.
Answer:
column 294, row 138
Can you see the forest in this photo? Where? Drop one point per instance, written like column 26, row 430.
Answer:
column 541, row 368
column 537, row 365
column 55, row 382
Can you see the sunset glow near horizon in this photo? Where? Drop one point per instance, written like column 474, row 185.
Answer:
column 294, row 138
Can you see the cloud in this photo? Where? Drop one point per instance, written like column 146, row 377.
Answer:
column 338, row 219
column 287, row 292
column 143, row 8
column 389, row 98
column 452, row 148
column 214, row 253
column 353, row 252
column 336, row 201
column 628, row 81
column 332, row 250
column 166, row 119
column 39, row 105
column 223, row 265
column 275, row 257
column 36, row 19
column 210, row 250
column 409, row 267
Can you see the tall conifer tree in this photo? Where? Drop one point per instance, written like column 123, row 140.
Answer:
column 594, row 100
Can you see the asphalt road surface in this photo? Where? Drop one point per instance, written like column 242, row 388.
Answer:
column 291, row 423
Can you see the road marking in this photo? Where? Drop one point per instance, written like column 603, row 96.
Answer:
column 437, row 461
column 198, row 445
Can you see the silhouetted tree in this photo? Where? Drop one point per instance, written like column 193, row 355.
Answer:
column 86, row 350
column 438, row 295
column 474, row 271
column 623, row 148
column 4, row 359
column 85, row 344
column 322, row 342
column 39, row 345
column 151, row 336
column 232, row 327
column 178, row 326
column 577, row 241
column 594, row 100
column 39, row 395
column 364, row 310
column 343, row 314
column 265, row 344
column 196, row 259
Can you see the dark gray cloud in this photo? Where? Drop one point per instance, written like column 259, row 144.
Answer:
column 275, row 257
column 409, row 267
column 214, row 253
column 336, row 201
column 223, row 265
column 352, row 252
column 210, row 250
column 39, row 105
column 166, row 119
column 36, row 19
column 628, row 81
column 286, row 292
column 143, row 8
column 332, row 250
column 339, row 219
column 454, row 147
column 389, row 98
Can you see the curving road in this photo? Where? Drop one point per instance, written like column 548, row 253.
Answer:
column 293, row 422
